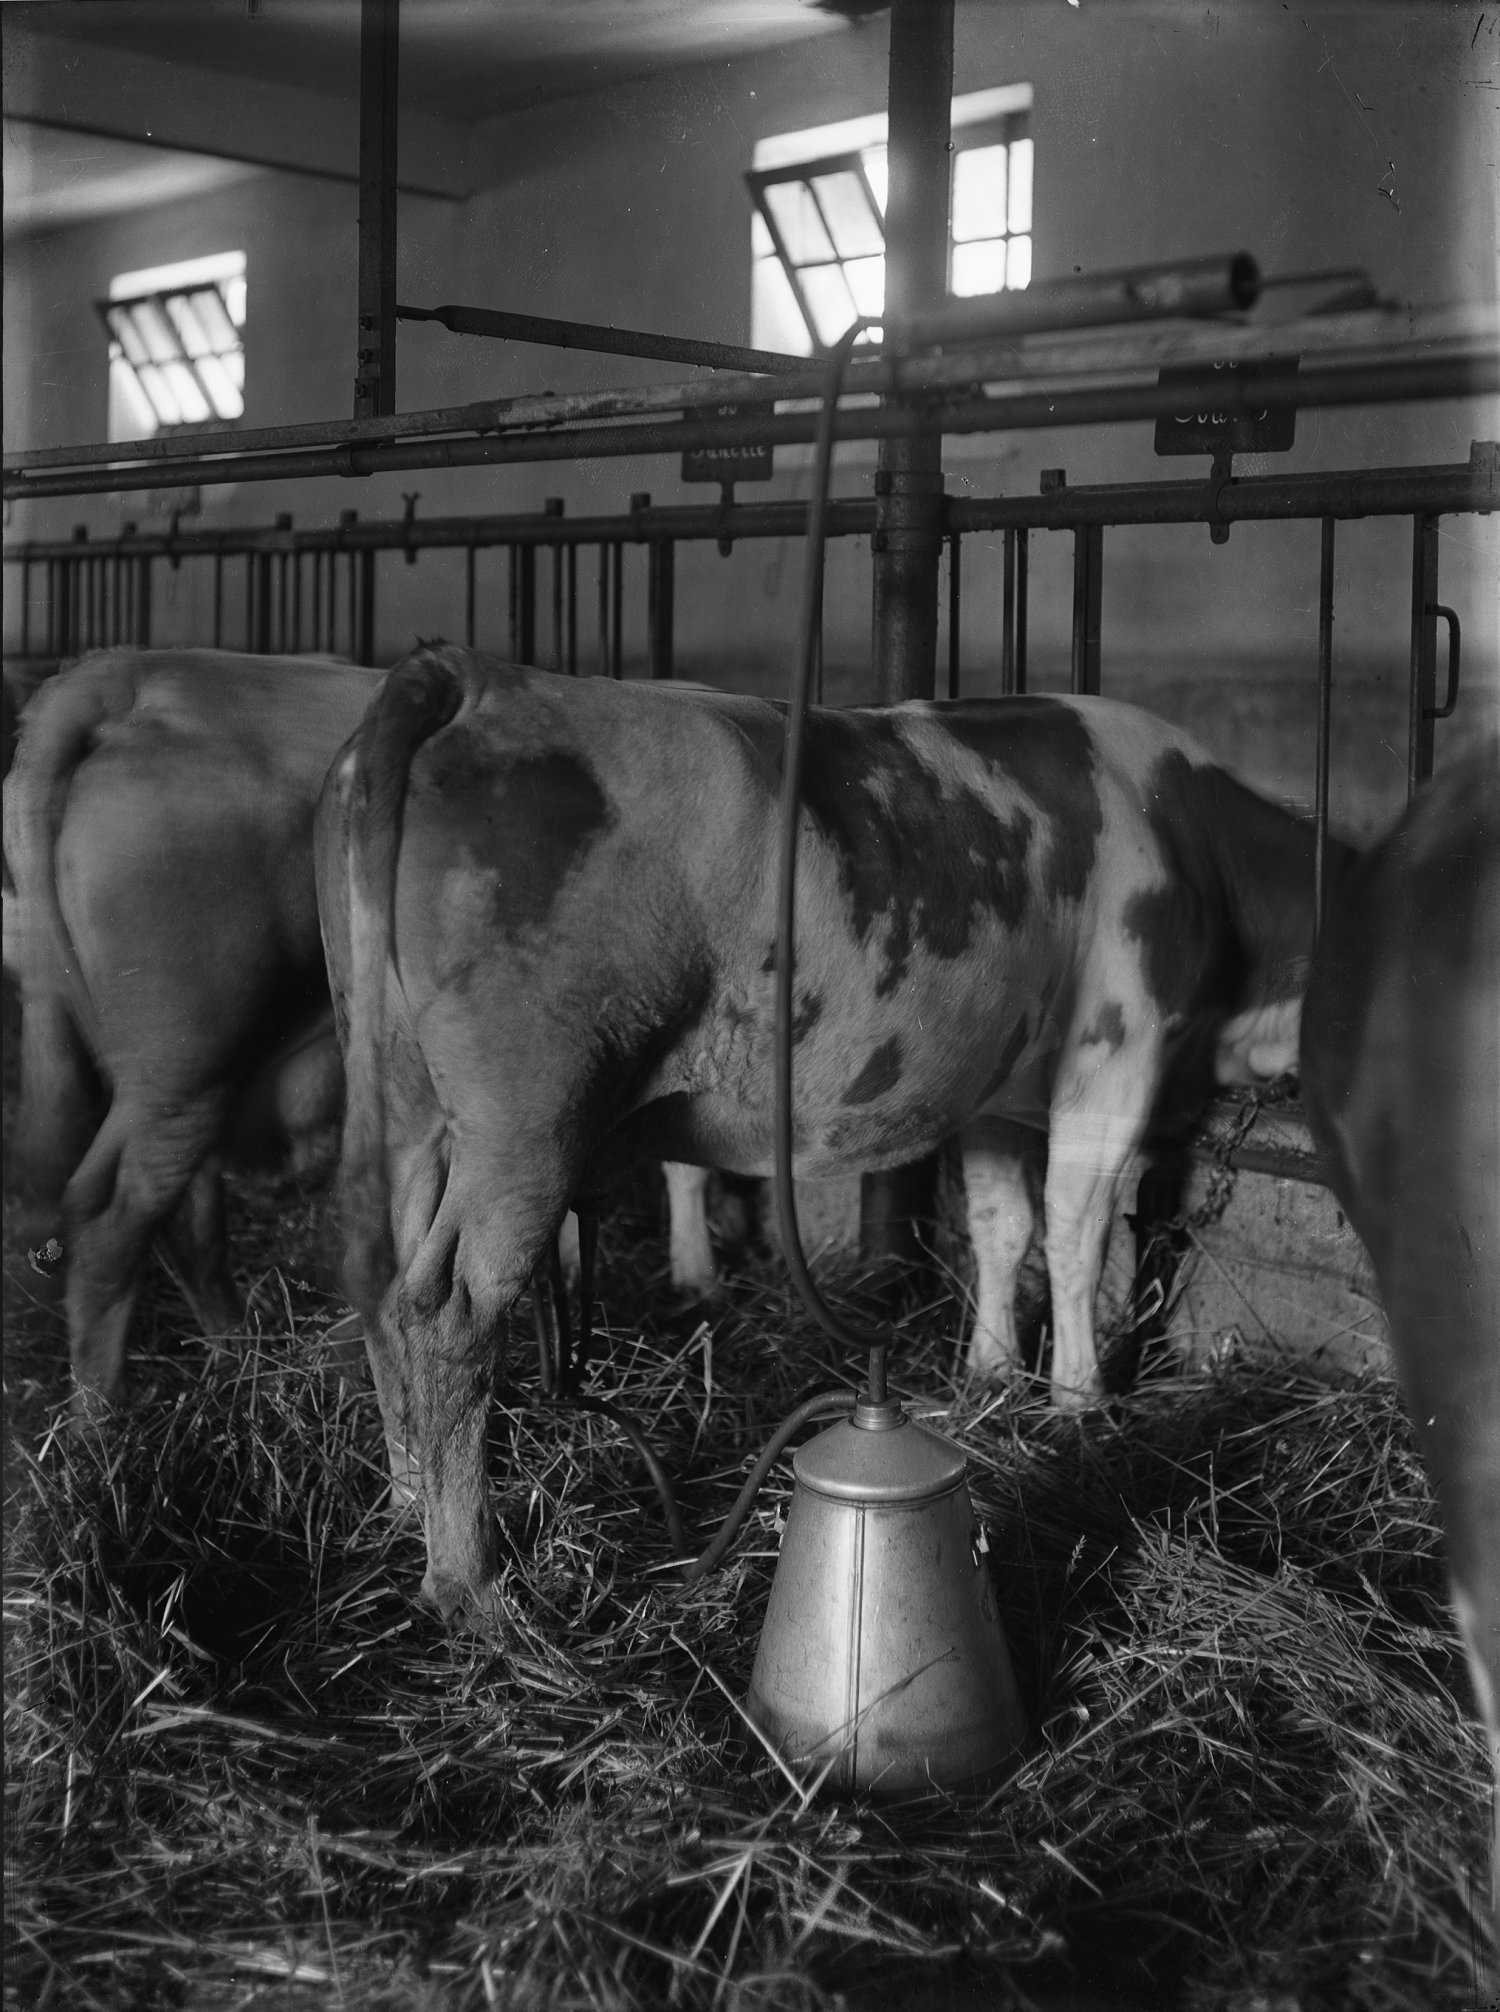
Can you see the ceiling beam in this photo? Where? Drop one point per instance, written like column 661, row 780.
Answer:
column 50, row 81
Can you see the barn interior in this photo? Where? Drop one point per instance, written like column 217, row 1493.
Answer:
column 614, row 163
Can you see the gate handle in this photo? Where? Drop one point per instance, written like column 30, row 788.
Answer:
column 1445, row 710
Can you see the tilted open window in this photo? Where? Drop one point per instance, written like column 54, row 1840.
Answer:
column 177, row 348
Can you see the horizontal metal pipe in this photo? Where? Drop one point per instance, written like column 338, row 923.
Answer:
column 1324, row 385
column 604, row 341
column 1435, row 491
column 1070, row 362
column 1223, row 285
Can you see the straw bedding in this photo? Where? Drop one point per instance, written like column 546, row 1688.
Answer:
column 245, row 1768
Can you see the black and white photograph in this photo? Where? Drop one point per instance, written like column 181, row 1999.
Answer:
column 751, row 1024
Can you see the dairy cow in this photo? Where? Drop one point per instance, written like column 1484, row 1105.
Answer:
column 1401, row 1079
column 548, row 907
column 158, row 823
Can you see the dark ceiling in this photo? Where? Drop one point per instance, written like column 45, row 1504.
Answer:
column 460, row 59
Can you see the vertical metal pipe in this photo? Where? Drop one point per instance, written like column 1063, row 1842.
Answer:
column 352, row 564
column 617, row 612
column 909, row 483
column 281, row 601
column 1023, row 602
column 1325, row 713
column 554, row 507
column 49, row 607
column 572, row 558
column 1088, row 584
column 1423, row 690
column 219, row 600
column 526, row 603
column 470, row 555
column 116, row 596
column 25, row 607
column 1008, row 614
column 604, row 611
column 365, row 653
column 955, row 581
column 662, row 594
column 513, row 588
column 144, row 611
column 375, row 368
column 908, row 536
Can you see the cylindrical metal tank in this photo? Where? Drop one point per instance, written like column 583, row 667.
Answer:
column 882, row 1648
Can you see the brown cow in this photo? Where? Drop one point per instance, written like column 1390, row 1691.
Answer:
column 1401, row 1078
column 158, row 823
column 549, row 913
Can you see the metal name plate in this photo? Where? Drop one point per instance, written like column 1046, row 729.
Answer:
column 1251, row 420
column 727, row 464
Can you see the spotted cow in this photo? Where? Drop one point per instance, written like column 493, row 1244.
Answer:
column 158, row 823
column 548, row 907
column 1401, row 1079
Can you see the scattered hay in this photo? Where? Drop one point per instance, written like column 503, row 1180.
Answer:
column 247, row 1769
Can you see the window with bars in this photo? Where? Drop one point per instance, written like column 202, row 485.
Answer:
column 176, row 346
column 818, row 233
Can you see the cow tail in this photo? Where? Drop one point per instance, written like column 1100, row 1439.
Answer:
column 418, row 698
column 60, row 1023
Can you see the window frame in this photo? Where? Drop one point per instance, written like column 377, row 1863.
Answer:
column 160, row 298
column 1001, row 127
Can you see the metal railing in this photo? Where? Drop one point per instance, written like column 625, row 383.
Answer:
column 281, row 588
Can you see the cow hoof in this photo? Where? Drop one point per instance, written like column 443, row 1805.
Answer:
column 1072, row 1400
column 89, row 1406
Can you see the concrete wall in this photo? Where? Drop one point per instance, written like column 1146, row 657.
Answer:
column 1320, row 135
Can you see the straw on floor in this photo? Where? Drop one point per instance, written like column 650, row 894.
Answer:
column 246, row 1768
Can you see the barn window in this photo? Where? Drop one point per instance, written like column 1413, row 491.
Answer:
column 176, row 346
column 818, row 232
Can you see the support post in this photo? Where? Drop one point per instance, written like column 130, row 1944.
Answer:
column 660, row 600
column 1423, row 696
column 375, row 369
column 1325, row 714
column 908, row 537
column 1088, row 597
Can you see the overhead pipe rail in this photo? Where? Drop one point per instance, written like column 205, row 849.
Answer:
column 1026, row 382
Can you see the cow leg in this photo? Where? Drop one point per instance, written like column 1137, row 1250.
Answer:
column 470, row 1270
column 693, row 1269
column 1001, row 1222
column 200, row 1239
column 59, row 1104
column 131, row 1179
column 1101, row 1101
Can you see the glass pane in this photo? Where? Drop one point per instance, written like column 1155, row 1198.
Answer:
column 185, row 389
column 760, row 237
column 829, row 298
column 979, row 268
column 131, row 414
column 978, row 194
column 1018, row 264
column 163, row 399
column 233, row 367
column 121, row 322
column 224, row 394
column 1019, row 208
column 876, row 173
column 156, row 332
column 866, row 277
column 211, row 311
column 234, row 300
column 797, row 219
column 190, row 330
column 775, row 318
column 856, row 228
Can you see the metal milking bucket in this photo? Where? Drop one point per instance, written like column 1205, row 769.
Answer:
column 882, row 1662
